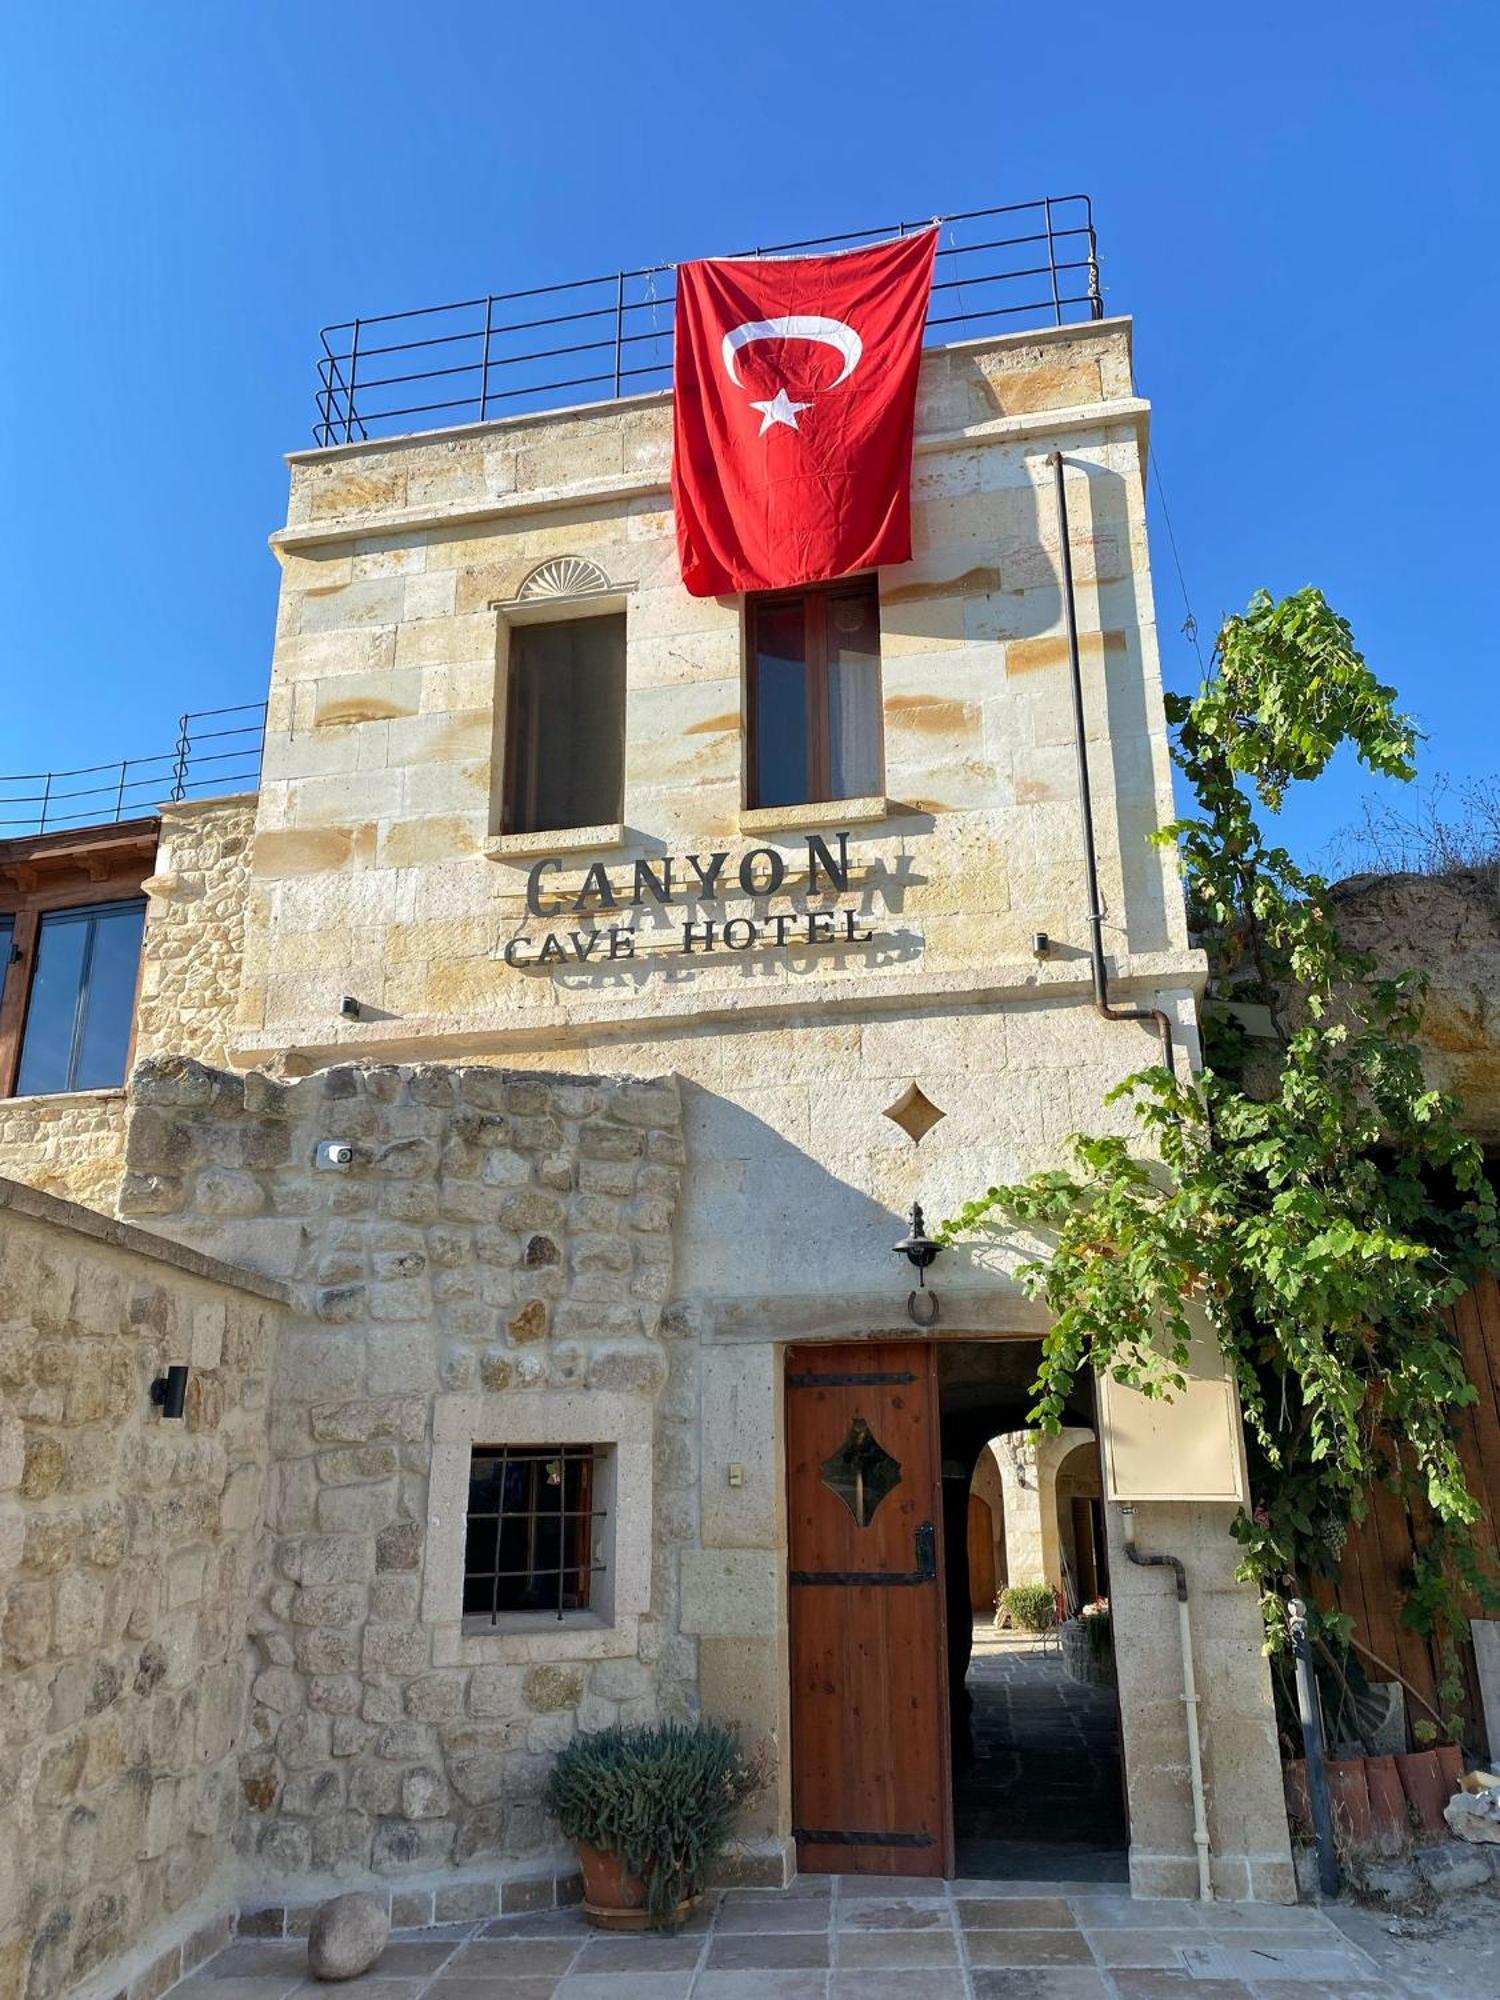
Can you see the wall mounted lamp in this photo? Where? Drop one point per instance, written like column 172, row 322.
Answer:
column 918, row 1248
column 169, row 1391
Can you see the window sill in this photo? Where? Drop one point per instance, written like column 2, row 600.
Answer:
column 534, row 1624
column 535, row 1641
column 816, row 815
column 566, row 840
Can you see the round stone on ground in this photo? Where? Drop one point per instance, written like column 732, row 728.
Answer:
column 348, row 1935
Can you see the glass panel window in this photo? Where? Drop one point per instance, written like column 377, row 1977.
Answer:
column 815, row 715
column 7, row 946
column 565, row 725
column 530, row 1534
column 861, row 1472
column 79, row 1016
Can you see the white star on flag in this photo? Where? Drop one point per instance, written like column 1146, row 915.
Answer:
column 779, row 410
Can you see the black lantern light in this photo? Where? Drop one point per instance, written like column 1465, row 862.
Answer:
column 918, row 1247
column 169, row 1391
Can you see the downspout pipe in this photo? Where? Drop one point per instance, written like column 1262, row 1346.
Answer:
column 1189, row 1695
column 1102, row 1003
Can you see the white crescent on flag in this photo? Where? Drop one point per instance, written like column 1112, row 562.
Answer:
column 834, row 333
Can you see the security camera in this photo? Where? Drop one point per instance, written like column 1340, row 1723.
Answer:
column 335, row 1153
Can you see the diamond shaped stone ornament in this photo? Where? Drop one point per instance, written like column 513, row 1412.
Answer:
column 915, row 1112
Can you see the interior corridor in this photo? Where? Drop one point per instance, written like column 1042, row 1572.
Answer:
column 1043, row 1767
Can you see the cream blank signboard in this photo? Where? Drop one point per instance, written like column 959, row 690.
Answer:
column 1189, row 1449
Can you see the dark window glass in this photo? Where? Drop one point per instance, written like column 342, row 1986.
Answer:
column 565, row 727
column 7, row 946
column 815, row 711
column 781, row 705
column 78, row 1019
column 861, row 1472
column 529, row 1538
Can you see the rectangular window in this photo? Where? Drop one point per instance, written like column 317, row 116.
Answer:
column 815, row 721
column 82, row 1003
column 529, row 1542
column 565, row 725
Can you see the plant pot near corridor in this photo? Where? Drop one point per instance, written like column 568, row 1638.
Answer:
column 615, row 1900
column 650, row 1809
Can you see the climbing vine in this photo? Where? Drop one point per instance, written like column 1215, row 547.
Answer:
column 1307, row 1196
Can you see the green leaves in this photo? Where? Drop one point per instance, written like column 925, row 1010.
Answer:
column 1312, row 1197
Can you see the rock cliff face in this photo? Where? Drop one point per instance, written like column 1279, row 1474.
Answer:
column 1449, row 927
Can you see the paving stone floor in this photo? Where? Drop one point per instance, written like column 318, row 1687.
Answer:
column 1040, row 1769
column 856, row 1938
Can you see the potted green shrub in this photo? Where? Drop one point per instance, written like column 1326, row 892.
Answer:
column 1032, row 1606
column 650, row 1808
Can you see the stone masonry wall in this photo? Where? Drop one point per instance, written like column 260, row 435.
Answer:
column 71, row 1145
column 127, row 1546
column 497, row 1231
column 195, row 933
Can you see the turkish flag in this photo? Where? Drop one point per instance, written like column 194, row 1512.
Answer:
column 796, row 393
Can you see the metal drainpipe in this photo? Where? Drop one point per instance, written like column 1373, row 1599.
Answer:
column 1189, row 1695
column 1160, row 1020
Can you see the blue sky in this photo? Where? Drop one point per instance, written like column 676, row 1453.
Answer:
column 1295, row 203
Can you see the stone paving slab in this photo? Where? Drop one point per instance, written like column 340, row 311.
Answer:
column 889, row 1939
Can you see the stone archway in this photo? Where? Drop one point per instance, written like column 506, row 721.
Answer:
column 1029, row 1463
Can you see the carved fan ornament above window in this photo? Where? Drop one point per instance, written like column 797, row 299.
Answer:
column 861, row 1472
column 562, row 576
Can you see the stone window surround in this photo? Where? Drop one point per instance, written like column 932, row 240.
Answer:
column 612, row 836
column 511, row 611
column 622, row 1428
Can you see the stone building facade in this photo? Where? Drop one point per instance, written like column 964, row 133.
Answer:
column 566, row 1138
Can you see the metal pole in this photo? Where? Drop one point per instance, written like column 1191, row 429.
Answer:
column 1312, row 1748
column 1102, row 1003
column 619, row 324
column 180, row 768
column 484, row 371
column 1052, row 261
column 120, row 792
column 353, row 374
column 1096, row 297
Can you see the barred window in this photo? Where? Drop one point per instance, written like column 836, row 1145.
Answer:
column 529, row 1542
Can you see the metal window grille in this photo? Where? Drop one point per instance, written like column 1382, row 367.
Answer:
column 1027, row 263
column 529, row 1535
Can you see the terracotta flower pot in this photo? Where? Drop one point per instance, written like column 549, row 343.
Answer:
column 615, row 1900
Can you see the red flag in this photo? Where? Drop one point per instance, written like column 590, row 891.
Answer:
column 796, row 392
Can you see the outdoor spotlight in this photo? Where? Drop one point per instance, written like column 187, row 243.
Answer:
column 918, row 1247
column 349, row 1007
column 169, row 1391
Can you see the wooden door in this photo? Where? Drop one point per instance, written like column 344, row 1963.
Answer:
column 869, row 1677
column 981, row 1558
column 1083, row 1548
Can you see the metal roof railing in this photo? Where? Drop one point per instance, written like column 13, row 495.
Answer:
column 594, row 338
column 226, row 757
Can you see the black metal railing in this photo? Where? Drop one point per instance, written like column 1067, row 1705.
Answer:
column 226, row 757
column 511, row 352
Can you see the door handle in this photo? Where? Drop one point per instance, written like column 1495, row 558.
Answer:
column 927, row 1552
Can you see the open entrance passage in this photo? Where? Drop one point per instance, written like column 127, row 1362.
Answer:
column 1034, row 1716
